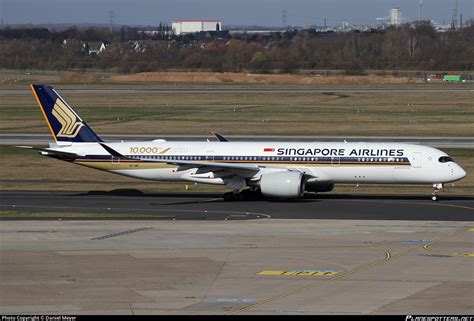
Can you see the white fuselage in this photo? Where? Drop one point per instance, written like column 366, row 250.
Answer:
column 387, row 163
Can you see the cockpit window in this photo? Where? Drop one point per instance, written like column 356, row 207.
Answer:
column 445, row 159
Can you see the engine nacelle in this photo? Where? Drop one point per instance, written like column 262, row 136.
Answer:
column 288, row 184
column 319, row 186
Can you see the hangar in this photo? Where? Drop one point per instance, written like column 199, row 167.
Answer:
column 191, row 26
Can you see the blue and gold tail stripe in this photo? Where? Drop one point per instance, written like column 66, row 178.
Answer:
column 62, row 120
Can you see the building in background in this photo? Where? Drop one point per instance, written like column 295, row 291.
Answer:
column 180, row 27
column 395, row 16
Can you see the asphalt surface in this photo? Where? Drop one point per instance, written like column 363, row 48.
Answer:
column 207, row 206
column 270, row 266
column 242, row 90
column 453, row 142
column 333, row 254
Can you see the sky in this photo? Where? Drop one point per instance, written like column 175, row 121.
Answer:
column 231, row 12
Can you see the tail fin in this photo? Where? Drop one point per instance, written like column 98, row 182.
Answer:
column 64, row 123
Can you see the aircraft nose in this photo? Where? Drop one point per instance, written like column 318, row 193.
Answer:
column 460, row 172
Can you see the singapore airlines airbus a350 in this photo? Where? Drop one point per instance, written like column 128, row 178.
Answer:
column 273, row 169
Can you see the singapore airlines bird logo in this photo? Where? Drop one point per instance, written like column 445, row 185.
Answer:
column 70, row 127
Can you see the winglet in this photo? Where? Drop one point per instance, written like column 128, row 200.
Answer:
column 111, row 151
column 220, row 137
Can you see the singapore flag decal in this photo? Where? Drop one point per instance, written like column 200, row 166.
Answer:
column 269, row 150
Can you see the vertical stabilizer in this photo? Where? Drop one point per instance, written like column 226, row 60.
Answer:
column 62, row 120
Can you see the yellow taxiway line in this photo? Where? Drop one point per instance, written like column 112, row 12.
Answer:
column 388, row 256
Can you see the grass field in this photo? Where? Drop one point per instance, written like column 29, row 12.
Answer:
column 368, row 114
column 17, row 78
column 26, row 170
column 316, row 114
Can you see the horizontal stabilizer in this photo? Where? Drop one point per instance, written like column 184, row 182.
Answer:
column 53, row 152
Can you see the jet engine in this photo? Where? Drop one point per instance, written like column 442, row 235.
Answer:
column 315, row 186
column 287, row 184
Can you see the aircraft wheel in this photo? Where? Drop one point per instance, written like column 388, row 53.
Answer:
column 245, row 195
column 258, row 193
column 228, row 197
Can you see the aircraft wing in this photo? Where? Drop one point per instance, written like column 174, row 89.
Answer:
column 247, row 167
column 190, row 163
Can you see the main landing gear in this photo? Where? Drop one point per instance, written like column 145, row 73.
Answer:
column 436, row 189
column 250, row 194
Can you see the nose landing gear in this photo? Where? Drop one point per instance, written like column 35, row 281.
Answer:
column 436, row 189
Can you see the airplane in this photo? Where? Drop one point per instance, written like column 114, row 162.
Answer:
column 250, row 169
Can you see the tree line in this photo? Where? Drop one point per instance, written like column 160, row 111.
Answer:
column 410, row 47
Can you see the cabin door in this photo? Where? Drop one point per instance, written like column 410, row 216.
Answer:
column 416, row 160
column 210, row 155
column 335, row 161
